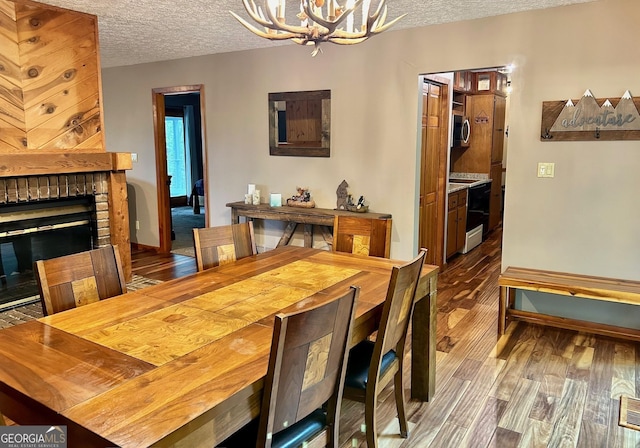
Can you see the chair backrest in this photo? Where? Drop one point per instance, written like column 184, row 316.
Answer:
column 307, row 366
column 78, row 279
column 224, row 244
column 397, row 310
column 362, row 235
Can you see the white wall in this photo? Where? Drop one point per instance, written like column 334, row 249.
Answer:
column 584, row 220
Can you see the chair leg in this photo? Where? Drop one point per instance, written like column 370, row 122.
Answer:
column 370, row 420
column 400, row 404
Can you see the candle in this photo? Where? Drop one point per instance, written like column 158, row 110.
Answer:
column 302, row 22
column 332, row 10
column 273, row 6
column 349, row 5
column 365, row 13
column 281, row 10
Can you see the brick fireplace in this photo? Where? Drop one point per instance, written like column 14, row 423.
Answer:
column 48, row 189
column 98, row 196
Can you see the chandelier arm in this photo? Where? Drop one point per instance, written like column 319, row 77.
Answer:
column 348, row 41
column 373, row 18
column 273, row 36
column 381, row 19
column 252, row 10
column 342, row 34
column 386, row 26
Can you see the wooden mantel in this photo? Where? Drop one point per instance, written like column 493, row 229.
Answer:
column 29, row 164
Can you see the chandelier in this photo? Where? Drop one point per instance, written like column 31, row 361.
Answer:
column 334, row 23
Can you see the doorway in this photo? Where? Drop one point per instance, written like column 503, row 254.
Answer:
column 479, row 97
column 181, row 173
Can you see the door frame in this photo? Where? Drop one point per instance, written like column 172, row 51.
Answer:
column 164, row 206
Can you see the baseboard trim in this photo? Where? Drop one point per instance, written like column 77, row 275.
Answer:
column 138, row 246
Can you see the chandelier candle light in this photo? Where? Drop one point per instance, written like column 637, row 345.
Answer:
column 317, row 26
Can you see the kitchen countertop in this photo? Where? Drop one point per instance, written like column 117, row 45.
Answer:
column 462, row 183
column 455, row 187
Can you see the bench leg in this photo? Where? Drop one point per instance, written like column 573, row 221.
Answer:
column 502, row 310
column 507, row 299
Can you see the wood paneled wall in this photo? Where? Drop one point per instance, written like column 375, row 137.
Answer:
column 50, row 95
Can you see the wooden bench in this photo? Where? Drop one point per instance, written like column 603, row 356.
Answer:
column 584, row 286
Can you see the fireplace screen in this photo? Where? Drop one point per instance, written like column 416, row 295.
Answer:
column 39, row 231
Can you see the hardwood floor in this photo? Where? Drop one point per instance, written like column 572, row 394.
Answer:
column 533, row 387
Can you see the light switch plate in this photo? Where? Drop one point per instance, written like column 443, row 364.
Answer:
column 546, row 169
column 134, row 157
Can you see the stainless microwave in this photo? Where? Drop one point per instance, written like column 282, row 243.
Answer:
column 461, row 132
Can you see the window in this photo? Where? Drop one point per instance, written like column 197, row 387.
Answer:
column 176, row 156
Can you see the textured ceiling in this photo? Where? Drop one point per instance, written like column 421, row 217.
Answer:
column 138, row 31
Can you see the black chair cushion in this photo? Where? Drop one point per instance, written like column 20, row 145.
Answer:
column 359, row 362
column 304, row 430
column 291, row 437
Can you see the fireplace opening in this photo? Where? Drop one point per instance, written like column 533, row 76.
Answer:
column 40, row 230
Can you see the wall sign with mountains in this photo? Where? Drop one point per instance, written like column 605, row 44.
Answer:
column 590, row 118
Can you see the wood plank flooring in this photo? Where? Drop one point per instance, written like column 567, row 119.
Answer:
column 533, row 387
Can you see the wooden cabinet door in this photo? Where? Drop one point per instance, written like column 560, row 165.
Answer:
column 461, row 231
column 495, row 206
column 477, row 158
column 452, row 232
column 497, row 145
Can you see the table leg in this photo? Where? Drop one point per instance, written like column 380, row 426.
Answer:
column 423, row 348
column 235, row 218
column 308, row 235
column 288, row 232
column 327, row 234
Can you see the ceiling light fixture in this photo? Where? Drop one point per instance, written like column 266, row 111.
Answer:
column 317, row 25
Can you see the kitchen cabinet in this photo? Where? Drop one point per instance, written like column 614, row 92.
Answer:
column 486, row 114
column 463, row 81
column 456, row 221
column 490, row 82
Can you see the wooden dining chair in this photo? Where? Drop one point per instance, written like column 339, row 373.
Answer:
column 362, row 235
column 79, row 279
column 305, row 376
column 215, row 246
column 372, row 365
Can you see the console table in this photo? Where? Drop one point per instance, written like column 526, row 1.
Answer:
column 309, row 217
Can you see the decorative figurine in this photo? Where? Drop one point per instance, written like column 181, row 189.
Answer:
column 341, row 192
column 302, row 199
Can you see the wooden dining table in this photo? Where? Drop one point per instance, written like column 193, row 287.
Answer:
column 182, row 363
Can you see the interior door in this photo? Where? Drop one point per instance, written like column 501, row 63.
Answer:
column 433, row 153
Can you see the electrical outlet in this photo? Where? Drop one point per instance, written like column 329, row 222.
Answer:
column 546, row 169
column 134, row 157
column 137, row 225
